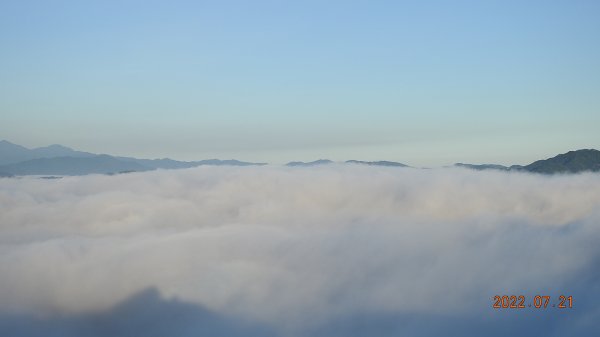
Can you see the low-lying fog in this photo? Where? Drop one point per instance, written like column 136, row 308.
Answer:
column 338, row 250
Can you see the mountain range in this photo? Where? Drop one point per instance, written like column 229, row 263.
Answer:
column 12, row 153
column 60, row 160
column 570, row 162
column 360, row 162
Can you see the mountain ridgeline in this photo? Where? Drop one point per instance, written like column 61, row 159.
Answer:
column 16, row 160
column 58, row 160
column 570, row 162
column 359, row 162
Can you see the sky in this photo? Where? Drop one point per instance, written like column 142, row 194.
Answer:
column 426, row 83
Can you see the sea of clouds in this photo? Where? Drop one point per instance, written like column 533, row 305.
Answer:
column 335, row 250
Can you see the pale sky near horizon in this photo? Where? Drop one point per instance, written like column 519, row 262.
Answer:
column 426, row 83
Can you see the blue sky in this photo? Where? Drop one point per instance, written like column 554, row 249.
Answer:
column 426, row 83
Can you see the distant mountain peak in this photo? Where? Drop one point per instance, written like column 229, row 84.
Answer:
column 377, row 163
column 570, row 162
column 6, row 143
column 312, row 163
column 482, row 166
column 56, row 147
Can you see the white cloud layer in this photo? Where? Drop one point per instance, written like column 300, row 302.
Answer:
column 297, row 248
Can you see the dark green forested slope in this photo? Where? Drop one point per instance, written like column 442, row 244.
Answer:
column 570, row 162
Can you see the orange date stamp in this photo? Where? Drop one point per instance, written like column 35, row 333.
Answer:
column 535, row 302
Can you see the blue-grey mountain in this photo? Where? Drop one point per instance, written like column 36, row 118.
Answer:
column 480, row 167
column 377, row 163
column 570, row 162
column 12, row 153
column 311, row 163
column 72, row 166
column 60, row 160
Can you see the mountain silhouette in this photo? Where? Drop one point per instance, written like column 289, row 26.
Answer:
column 61, row 160
column 12, row 153
column 570, row 162
column 312, row 163
column 377, row 163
